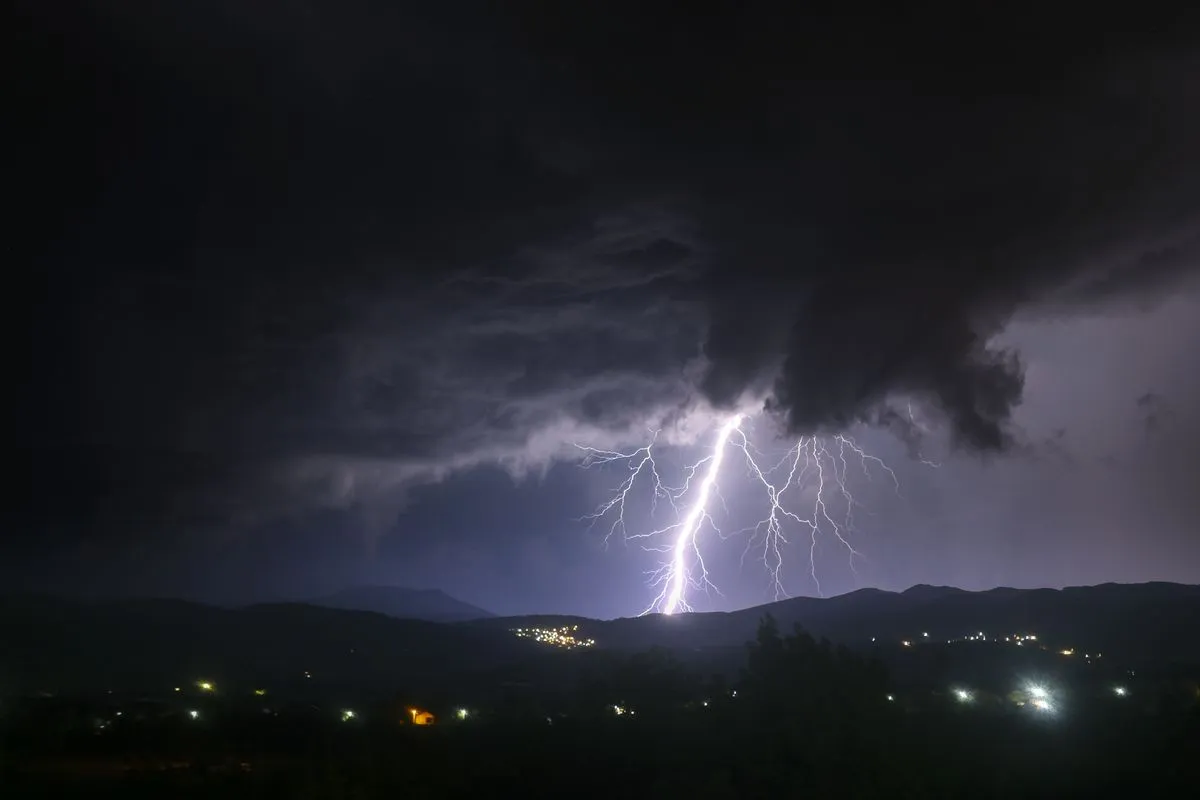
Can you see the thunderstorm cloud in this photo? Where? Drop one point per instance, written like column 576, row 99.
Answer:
column 321, row 252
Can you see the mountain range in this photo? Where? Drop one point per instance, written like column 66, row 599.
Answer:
column 430, row 605
column 146, row 645
column 1129, row 618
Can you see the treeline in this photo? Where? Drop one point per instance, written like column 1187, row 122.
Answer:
column 804, row 719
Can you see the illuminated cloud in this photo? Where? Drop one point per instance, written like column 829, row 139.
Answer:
column 451, row 257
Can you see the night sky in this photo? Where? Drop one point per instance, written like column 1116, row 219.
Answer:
column 318, row 294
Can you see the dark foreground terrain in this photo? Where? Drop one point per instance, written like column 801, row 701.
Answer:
column 801, row 719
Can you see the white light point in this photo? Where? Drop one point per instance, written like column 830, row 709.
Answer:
column 812, row 462
column 1042, row 704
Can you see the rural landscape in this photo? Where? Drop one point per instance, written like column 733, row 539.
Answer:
column 543, row 399
column 930, row 692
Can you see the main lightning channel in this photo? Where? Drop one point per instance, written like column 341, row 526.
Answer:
column 686, row 538
column 813, row 463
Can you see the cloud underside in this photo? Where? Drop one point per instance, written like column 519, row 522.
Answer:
column 365, row 268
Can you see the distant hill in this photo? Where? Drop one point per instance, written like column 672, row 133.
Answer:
column 430, row 605
column 152, row 645
column 1149, row 621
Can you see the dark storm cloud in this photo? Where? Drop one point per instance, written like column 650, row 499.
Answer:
column 297, row 254
column 1139, row 279
column 878, row 202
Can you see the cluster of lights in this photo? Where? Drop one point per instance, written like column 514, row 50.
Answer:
column 1038, row 697
column 978, row 636
column 564, row 637
column 1019, row 639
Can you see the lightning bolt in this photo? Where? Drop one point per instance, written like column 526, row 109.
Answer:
column 816, row 466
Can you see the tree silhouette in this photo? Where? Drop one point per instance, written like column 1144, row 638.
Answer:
column 811, row 709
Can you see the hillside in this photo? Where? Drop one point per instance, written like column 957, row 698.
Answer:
column 152, row 645
column 430, row 605
column 1142, row 622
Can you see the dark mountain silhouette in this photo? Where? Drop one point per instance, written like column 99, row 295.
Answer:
column 1149, row 621
column 430, row 605
column 152, row 645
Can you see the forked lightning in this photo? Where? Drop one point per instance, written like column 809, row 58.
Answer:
column 815, row 464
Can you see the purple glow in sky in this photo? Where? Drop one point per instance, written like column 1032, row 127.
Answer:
column 325, row 295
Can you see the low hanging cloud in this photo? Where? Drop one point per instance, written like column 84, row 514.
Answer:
column 367, row 265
